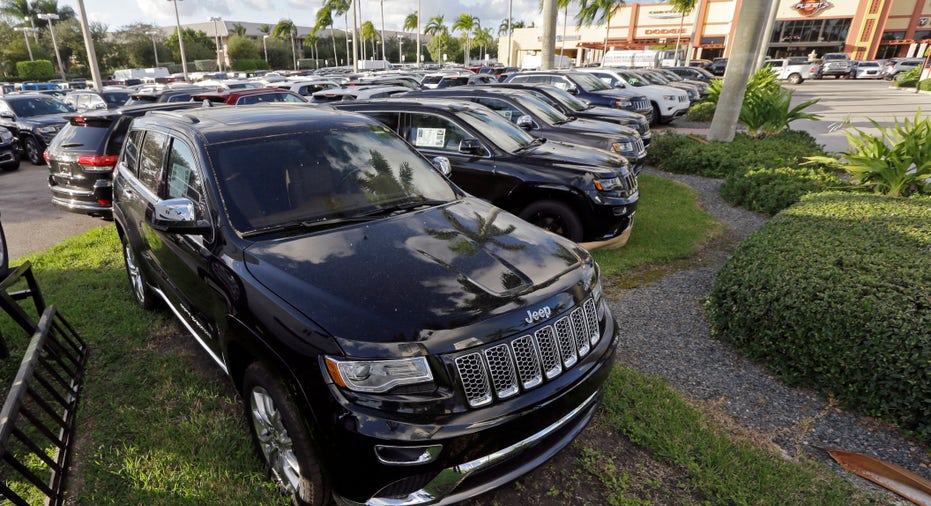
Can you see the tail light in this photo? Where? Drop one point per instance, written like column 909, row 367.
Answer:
column 98, row 163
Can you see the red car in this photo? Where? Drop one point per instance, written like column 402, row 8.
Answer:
column 246, row 96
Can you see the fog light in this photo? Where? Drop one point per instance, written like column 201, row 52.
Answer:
column 407, row 455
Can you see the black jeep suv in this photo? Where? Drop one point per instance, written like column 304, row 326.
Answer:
column 82, row 156
column 395, row 340
column 580, row 193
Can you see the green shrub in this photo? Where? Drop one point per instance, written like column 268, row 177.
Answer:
column 908, row 79
column 924, row 85
column 688, row 155
column 769, row 110
column 895, row 162
column 835, row 293
column 702, row 111
column 38, row 70
column 769, row 190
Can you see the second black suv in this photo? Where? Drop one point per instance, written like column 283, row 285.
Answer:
column 82, row 156
column 588, row 87
column 541, row 120
column 395, row 340
column 584, row 194
column 34, row 119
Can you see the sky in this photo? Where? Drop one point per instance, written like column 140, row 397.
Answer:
column 119, row 13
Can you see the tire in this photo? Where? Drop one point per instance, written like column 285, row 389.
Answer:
column 281, row 438
column 144, row 296
column 33, row 151
column 656, row 115
column 795, row 78
column 10, row 167
column 555, row 217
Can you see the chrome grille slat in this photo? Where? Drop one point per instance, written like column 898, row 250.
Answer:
column 501, row 368
column 504, row 370
column 566, row 342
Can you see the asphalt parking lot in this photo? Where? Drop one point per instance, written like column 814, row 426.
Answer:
column 32, row 224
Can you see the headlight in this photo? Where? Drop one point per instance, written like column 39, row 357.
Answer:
column 669, row 98
column 621, row 147
column 609, row 184
column 5, row 135
column 47, row 130
column 622, row 104
column 377, row 376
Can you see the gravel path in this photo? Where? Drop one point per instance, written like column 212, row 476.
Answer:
column 665, row 332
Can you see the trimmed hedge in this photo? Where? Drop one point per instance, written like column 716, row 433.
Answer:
column 835, row 294
column 689, row 155
column 772, row 190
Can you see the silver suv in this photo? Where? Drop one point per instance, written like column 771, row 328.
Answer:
column 836, row 64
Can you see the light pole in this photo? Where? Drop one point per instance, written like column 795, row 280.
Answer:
column 26, row 30
column 400, row 48
column 49, row 17
column 216, row 34
column 383, row 30
column 265, row 47
column 153, row 33
column 180, row 41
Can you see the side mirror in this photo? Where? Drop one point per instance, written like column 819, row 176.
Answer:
column 471, row 146
column 573, row 89
column 177, row 216
column 442, row 164
column 8, row 115
column 525, row 122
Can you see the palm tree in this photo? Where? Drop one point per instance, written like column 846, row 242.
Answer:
column 325, row 20
column 597, row 11
column 369, row 33
column 238, row 29
column 266, row 29
column 503, row 27
column 410, row 22
column 435, row 26
column 341, row 8
column 310, row 40
column 483, row 38
column 466, row 23
column 284, row 30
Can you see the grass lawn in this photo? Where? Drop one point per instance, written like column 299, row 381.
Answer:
column 160, row 424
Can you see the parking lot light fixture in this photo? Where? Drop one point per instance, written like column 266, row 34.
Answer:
column 26, row 30
column 49, row 17
column 216, row 35
column 180, row 41
column 153, row 33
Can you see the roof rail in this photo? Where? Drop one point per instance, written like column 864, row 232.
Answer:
column 176, row 115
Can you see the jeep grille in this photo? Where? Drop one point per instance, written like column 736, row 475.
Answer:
column 504, row 370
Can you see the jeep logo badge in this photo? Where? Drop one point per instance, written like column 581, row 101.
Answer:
column 540, row 314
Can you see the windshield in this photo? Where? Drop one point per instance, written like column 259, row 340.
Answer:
column 39, row 106
column 502, row 132
column 541, row 110
column 589, row 83
column 317, row 175
column 654, row 79
column 567, row 99
column 634, row 79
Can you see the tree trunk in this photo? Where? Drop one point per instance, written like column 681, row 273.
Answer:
column 550, row 13
column 750, row 23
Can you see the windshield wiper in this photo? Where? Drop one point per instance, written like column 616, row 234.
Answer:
column 532, row 144
column 329, row 222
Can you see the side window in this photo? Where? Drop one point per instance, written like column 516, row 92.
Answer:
column 151, row 157
column 433, row 132
column 390, row 119
column 501, row 107
column 131, row 150
column 183, row 179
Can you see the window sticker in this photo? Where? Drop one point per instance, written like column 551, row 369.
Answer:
column 430, row 137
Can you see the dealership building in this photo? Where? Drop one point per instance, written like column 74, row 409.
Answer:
column 865, row 29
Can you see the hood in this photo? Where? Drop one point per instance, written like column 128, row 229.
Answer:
column 41, row 121
column 576, row 158
column 437, row 277
column 597, row 127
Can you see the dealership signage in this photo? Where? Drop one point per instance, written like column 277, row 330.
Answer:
column 810, row 7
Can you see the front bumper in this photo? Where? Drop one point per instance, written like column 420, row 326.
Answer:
column 481, row 448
